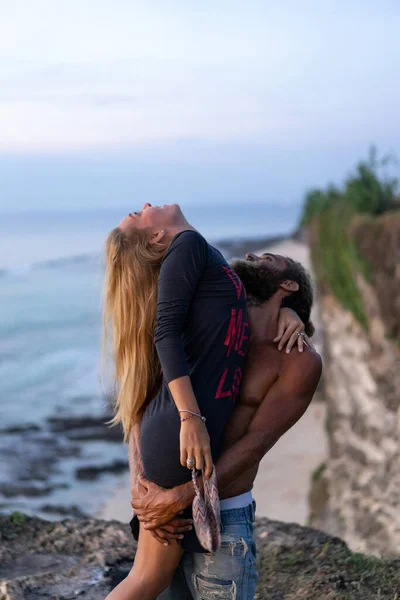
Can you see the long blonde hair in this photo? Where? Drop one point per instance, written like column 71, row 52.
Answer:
column 130, row 303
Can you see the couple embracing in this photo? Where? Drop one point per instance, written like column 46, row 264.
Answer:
column 206, row 386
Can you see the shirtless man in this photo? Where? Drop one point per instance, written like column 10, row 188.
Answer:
column 276, row 390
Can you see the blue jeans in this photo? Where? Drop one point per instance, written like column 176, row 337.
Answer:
column 228, row 574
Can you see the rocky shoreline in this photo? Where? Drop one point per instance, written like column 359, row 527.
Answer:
column 42, row 461
column 86, row 558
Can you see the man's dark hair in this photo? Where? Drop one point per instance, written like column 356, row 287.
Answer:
column 302, row 300
column 262, row 280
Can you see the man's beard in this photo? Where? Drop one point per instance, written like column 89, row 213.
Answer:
column 260, row 279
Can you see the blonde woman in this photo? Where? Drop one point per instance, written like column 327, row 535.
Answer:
column 179, row 326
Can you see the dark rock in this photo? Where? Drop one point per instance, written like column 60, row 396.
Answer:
column 60, row 424
column 86, row 428
column 238, row 248
column 10, row 490
column 86, row 558
column 89, row 434
column 63, row 511
column 27, row 427
column 34, row 458
column 92, row 472
column 34, row 461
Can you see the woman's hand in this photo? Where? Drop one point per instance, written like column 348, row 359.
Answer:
column 195, row 445
column 290, row 330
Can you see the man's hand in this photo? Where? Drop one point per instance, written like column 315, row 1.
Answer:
column 156, row 506
column 174, row 530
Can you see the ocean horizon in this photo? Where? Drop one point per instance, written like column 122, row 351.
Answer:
column 28, row 238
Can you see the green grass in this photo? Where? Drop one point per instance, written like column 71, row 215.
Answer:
column 328, row 423
column 362, row 563
column 337, row 260
column 329, row 213
column 17, row 518
column 318, row 472
column 293, row 558
column 314, row 572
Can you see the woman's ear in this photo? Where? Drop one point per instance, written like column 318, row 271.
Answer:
column 289, row 286
column 157, row 237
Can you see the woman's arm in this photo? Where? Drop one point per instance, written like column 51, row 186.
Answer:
column 194, row 438
column 181, row 271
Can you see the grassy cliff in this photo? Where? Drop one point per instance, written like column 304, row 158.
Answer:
column 338, row 241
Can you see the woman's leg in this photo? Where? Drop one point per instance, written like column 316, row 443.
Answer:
column 152, row 571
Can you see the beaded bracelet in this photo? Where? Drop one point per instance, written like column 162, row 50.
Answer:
column 186, row 418
column 192, row 414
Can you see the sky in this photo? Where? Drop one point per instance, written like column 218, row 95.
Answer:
column 109, row 102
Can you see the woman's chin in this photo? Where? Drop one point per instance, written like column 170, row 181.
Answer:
column 173, row 209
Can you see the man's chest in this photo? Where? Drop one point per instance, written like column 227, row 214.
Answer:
column 260, row 373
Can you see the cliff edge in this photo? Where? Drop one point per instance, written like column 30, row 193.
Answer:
column 86, row 558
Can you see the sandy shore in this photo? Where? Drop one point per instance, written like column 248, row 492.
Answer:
column 282, row 485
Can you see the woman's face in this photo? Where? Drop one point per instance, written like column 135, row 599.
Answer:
column 153, row 218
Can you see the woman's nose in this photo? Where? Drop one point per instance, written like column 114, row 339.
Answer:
column 147, row 205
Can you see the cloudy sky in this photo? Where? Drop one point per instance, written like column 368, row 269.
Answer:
column 104, row 100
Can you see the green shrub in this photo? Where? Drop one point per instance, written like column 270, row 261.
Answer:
column 318, row 472
column 17, row 518
column 330, row 213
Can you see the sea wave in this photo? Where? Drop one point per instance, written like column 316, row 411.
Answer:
column 53, row 263
column 67, row 260
column 16, row 271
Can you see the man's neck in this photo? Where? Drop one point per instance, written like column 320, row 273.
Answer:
column 263, row 320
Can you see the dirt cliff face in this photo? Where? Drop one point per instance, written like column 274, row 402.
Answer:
column 86, row 558
column 362, row 388
column 378, row 241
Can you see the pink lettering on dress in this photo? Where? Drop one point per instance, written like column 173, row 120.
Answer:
column 235, row 280
column 220, row 393
column 237, row 378
column 244, row 337
column 235, row 340
column 234, row 330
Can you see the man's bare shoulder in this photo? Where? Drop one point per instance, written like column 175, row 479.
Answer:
column 302, row 365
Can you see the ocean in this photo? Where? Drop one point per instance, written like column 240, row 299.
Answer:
column 57, row 457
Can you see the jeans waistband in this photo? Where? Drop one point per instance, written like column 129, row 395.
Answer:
column 235, row 515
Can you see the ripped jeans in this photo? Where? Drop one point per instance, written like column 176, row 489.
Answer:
column 230, row 573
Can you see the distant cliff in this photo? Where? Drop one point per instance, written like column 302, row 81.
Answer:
column 356, row 252
column 86, row 558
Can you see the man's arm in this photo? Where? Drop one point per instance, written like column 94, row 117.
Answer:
column 282, row 407
column 285, row 402
column 176, row 527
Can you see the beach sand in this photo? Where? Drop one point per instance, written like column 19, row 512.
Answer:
column 283, row 481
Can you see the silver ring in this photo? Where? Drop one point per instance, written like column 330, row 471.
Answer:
column 190, row 462
column 300, row 333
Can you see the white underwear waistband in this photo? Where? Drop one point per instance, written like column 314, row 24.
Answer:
column 237, row 501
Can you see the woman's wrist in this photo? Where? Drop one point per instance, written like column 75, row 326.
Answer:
column 186, row 415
